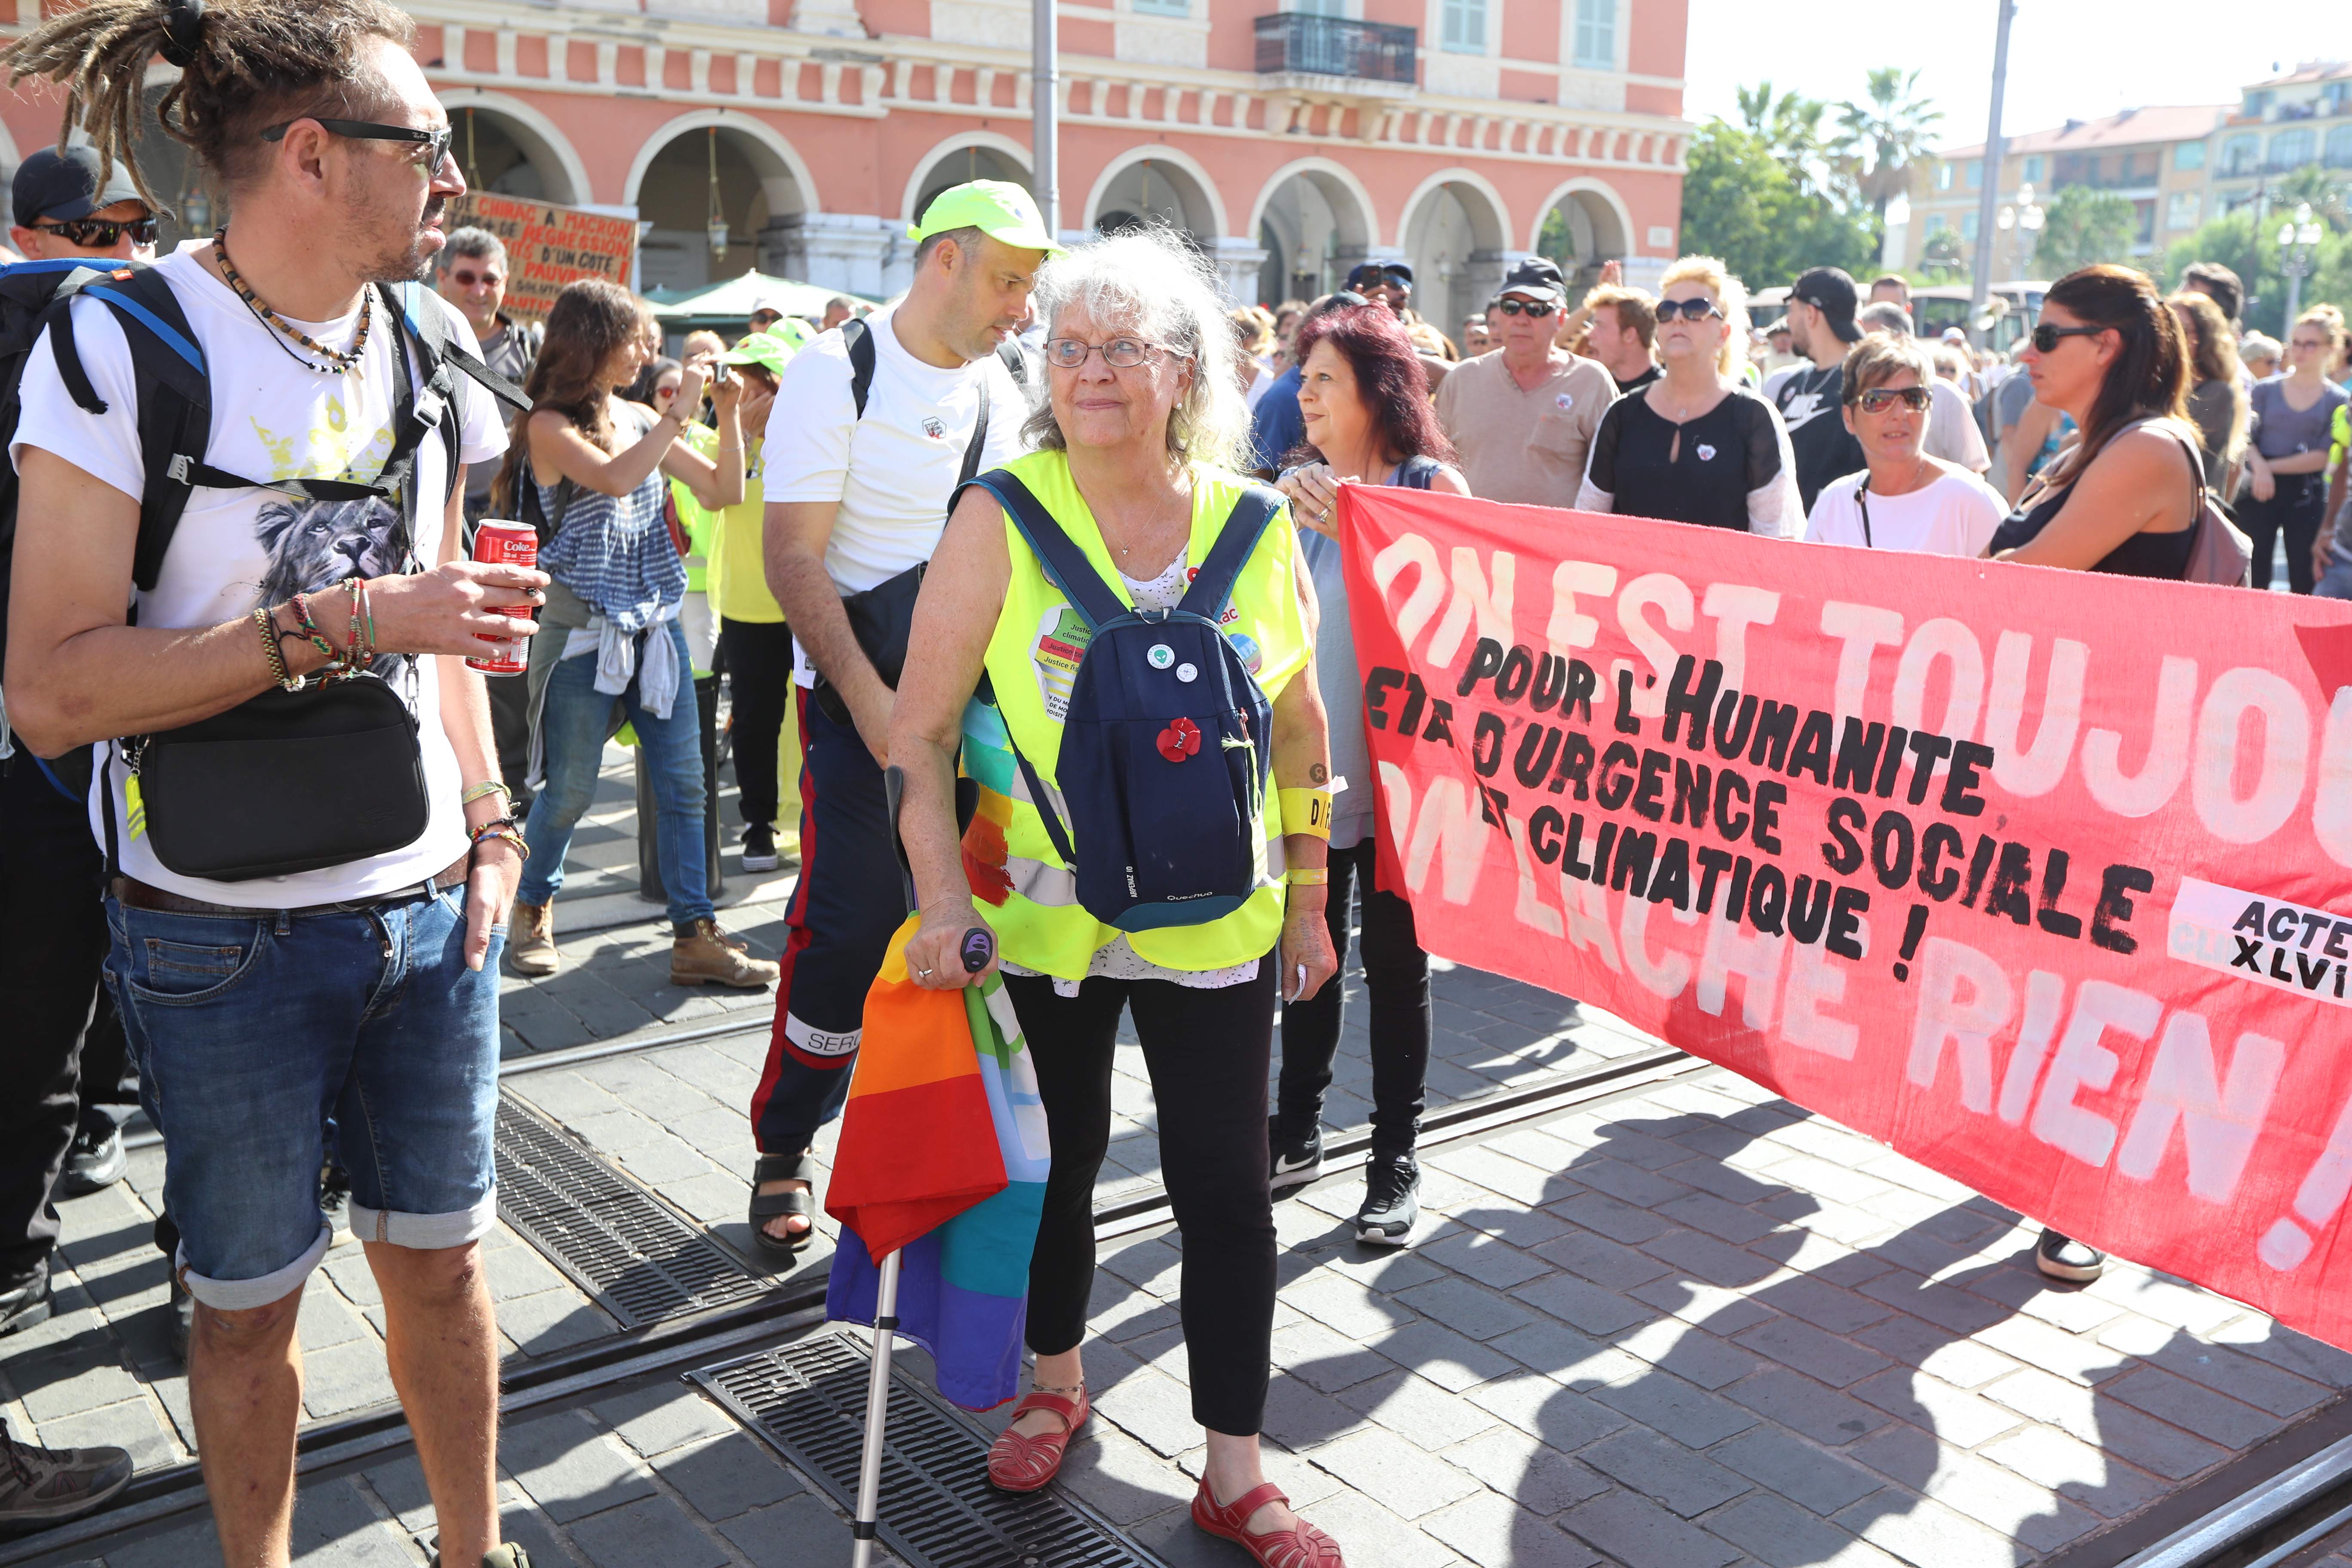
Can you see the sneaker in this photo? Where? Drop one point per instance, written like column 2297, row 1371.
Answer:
column 42, row 1486
column 704, row 953
column 96, row 1161
column 759, row 848
column 530, row 940
column 2064, row 1257
column 509, row 1555
column 335, row 1201
column 1293, row 1162
column 1391, row 1200
column 26, row 1300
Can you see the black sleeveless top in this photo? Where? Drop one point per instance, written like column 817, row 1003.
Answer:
column 1726, row 452
column 2144, row 555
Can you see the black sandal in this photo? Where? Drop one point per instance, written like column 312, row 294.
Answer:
column 765, row 1206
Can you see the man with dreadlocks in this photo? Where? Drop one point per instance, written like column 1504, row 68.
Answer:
column 364, row 987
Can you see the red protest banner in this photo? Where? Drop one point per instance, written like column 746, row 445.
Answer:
column 549, row 245
column 2043, row 878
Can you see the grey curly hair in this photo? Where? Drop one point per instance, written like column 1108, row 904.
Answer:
column 1151, row 283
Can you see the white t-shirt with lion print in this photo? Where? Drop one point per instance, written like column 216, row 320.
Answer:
column 274, row 418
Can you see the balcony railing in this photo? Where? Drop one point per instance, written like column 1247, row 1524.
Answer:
column 1299, row 44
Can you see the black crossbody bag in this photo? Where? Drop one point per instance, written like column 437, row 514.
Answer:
column 883, row 616
column 329, row 773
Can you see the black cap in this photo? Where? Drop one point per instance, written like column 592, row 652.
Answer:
column 64, row 185
column 1829, row 290
column 1534, row 276
column 1372, row 274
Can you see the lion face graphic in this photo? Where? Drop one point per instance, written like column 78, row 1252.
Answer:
column 315, row 544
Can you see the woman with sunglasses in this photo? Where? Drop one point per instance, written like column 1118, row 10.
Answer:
column 1697, row 444
column 2286, row 484
column 1905, row 499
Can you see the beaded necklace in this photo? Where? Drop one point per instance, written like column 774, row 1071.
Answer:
column 339, row 362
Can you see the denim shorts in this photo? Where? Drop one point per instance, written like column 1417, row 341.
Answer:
column 250, row 1030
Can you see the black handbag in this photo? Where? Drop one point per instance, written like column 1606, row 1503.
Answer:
column 288, row 782
column 883, row 617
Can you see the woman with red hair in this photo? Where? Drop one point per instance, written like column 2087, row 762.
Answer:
column 1365, row 403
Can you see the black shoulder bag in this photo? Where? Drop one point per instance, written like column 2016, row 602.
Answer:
column 882, row 617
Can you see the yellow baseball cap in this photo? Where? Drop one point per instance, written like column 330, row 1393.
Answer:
column 767, row 350
column 998, row 208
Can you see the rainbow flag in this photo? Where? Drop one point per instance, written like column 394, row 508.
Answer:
column 943, row 1159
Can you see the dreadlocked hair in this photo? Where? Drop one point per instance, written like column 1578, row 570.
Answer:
column 244, row 65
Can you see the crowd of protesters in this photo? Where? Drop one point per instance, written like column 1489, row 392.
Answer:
column 767, row 512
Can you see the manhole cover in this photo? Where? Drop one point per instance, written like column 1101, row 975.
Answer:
column 640, row 1262
column 808, row 1399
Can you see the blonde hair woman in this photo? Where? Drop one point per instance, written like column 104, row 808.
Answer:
column 1696, row 444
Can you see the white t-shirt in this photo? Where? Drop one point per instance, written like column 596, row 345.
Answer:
column 236, row 550
column 1953, row 515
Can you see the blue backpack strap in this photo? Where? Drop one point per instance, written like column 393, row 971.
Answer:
column 1244, row 526
column 1065, row 564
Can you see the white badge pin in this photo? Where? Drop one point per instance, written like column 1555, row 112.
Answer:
column 1162, row 655
column 1566, row 400
column 1706, row 453
column 1188, row 673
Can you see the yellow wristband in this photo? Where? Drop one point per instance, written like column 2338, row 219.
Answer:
column 1306, row 811
column 1308, row 876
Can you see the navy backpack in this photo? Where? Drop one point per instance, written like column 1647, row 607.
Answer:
column 1166, row 741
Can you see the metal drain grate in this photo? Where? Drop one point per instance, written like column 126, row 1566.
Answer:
column 808, row 1399
column 641, row 1262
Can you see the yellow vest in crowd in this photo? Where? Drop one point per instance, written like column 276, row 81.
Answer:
column 1032, row 657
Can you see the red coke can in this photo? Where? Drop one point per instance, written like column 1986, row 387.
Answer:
column 497, row 542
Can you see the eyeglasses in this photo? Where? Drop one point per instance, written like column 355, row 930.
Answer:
column 99, row 233
column 1879, row 399
column 436, row 142
column 465, row 279
column 1538, row 309
column 2045, row 336
column 1119, row 354
column 1689, row 309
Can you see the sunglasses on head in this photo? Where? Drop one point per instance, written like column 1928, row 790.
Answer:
column 2046, row 337
column 1879, row 399
column 1689, row 309
column 99, row 233
column 1538, row 309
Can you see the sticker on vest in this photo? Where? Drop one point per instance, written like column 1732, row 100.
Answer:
column 1246, row 645
column 1062, row 637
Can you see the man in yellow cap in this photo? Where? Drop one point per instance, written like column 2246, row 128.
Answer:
column 873, row 426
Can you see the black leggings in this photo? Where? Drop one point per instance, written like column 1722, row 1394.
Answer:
column 2293, row 509
column 1396, row 974
column 759, row 658
column 1207, row 1053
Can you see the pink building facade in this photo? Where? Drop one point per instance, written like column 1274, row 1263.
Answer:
column 1459, row 134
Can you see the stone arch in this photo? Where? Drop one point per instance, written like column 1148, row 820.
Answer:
column 988, row 155
column 1315, row 220
column 766, row 194
column 1156, row 181
column 1456, row 230
column 1596, row 225
column 541, row 150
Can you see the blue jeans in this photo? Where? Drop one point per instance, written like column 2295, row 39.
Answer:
column 249, row 1029
column 574, row 721
column 2336, row 582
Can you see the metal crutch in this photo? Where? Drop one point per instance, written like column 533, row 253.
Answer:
column 978, row 947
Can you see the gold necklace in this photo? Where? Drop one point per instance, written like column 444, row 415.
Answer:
column 340, row 362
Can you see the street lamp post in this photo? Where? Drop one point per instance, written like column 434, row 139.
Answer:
column 1980, row 279
column 2297, row 238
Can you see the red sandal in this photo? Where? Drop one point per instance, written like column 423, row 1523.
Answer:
column 1018, row 1463
column 1302, row 1545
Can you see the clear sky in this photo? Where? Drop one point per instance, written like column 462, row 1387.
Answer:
column 2067, row 58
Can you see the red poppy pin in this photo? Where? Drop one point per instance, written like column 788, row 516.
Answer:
column 1180, row 739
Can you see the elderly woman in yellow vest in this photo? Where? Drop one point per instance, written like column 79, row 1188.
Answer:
column 1138, row 450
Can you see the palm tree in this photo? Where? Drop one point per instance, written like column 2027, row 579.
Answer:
column 1789, row 126
column 1878, row 141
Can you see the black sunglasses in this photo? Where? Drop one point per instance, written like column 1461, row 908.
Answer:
column 99, row 233
column 1689, row 309
column 1538, row 309
column 435, row 142
column 1879, row 399
column 2045, row 336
